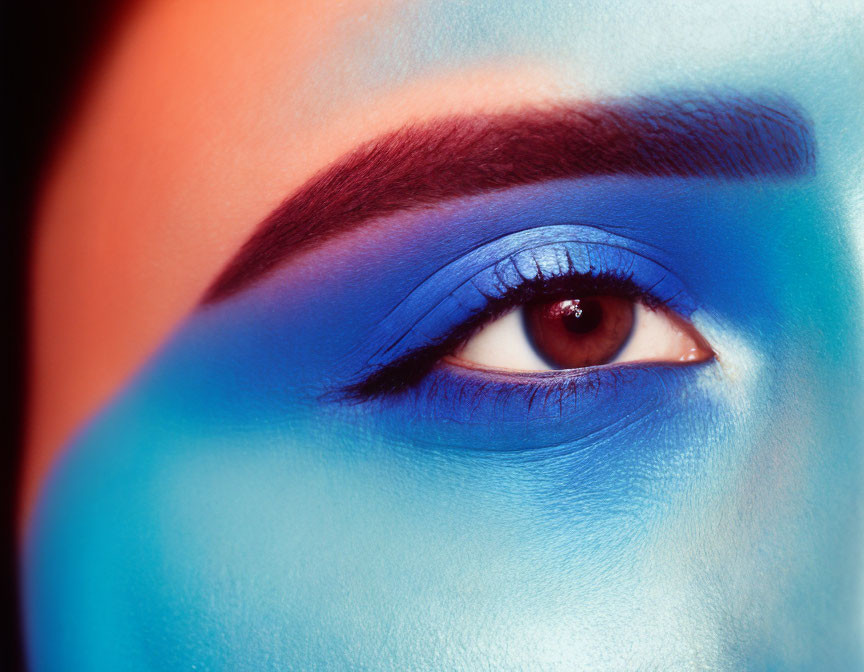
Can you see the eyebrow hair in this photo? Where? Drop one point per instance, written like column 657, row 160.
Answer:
column 682, row 135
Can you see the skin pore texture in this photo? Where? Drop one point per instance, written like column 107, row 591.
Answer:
column 202, row 493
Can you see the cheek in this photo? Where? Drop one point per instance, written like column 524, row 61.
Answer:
column 160, row 540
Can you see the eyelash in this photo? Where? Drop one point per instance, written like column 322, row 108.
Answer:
column 409, row 370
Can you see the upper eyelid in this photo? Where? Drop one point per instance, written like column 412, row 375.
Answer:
column 581, row 225
column 498, row 264
column 425, row 303
column 536, row 237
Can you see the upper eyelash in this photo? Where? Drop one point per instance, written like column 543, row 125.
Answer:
column 411, row 368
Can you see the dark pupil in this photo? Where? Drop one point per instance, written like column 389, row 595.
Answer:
column 581, row 317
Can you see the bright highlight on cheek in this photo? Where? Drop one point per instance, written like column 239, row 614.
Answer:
column 579, row 333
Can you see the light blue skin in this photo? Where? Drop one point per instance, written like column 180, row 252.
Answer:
column 227, row 511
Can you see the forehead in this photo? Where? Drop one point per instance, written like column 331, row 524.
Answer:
column 203, row 116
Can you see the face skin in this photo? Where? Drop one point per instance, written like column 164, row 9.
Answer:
column 212, row 485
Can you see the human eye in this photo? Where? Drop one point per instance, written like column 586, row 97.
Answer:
column 542, row 314
column 582, row 329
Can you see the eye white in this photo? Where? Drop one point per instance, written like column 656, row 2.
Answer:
column 504, row 344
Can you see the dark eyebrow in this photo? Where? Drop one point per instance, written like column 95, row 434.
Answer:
column 462, row 155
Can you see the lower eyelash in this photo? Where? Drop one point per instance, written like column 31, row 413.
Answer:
column 535, row 409
column 534, row 391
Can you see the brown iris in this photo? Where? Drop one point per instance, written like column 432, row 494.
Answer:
column 579, row 332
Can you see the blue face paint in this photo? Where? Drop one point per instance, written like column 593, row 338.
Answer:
column 232, row 510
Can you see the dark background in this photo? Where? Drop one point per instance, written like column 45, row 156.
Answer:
column 48, row 47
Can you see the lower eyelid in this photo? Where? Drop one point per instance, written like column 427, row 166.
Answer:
column 542, row 408
column 462, row 413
